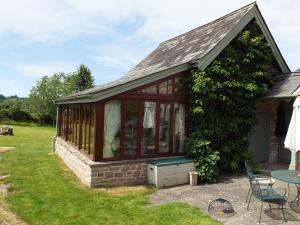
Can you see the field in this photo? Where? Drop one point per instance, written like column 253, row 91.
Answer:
column 44, row 191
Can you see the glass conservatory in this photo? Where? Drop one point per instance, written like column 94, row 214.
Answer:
column 146, row 122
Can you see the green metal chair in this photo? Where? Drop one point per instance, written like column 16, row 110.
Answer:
column 263, row 180
column 267, row 194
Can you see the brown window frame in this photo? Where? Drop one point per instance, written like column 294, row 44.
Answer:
column 83, row 112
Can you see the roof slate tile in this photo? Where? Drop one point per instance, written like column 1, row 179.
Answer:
column 179, row 50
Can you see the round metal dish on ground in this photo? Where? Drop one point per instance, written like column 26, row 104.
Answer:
column 220, row 208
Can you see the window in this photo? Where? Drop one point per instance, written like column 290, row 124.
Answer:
column 131, row 126
column 179, row 88
column 165, row 87
column 85, row 111
column 175, row 86
column 179, row 127
column 152, row 89
column 147, row 122
column 164, row 129
column 148, row 129
column 92, row 128
column 112, row 123
column 71, row 124
column 64, row 121
column 77, row 124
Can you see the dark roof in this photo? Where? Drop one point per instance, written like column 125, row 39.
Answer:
column 184, row 48
column 197, row 47
column 188, row 46
column 286, row 86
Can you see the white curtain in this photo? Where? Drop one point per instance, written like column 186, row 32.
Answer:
column 149, row 115
column 112, row 120
column 181, row 126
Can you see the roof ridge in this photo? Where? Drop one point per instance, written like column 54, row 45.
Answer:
column 209, row 23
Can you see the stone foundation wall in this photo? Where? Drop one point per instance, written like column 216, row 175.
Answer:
column 118, row 174
column 77, row 162
column 102, row 174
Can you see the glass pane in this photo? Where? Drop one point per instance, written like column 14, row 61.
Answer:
column 179, row 86
column 112, row 123
column 83, row 127
column 61, row 121
column 92, row 130
column 179, row 127
column 148, row 129
column 70, row 124
column 77, row 125
column 164, row 129
column 64, row 122
column 130, row 140
column 165, row 87
column 73, row 133
column 88, row 129
column 152, row 89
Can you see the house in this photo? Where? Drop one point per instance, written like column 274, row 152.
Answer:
column 108, row 133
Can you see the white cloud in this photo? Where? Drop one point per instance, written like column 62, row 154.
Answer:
column 60, row 20
column 117, row 55
column 12, row 86
column 39, row 70
column 51, row 21
column 54, row 20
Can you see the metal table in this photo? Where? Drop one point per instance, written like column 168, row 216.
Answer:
column 290, row 177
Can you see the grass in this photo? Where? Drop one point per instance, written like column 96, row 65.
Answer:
column 44, row 191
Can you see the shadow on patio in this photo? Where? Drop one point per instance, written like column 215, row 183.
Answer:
column 233, row 188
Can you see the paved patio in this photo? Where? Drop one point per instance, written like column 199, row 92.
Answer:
column 233, row 188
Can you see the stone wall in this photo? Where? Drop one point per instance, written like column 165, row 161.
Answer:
column 102, row 174
column 77, row 162
column 119, row 173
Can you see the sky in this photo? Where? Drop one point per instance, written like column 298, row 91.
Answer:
column 42, row 37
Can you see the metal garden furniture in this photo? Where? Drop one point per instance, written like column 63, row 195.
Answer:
column 267, row 194
column 290, row 177
column 262, row 180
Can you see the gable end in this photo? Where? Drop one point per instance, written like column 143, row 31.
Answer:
column 254, row 13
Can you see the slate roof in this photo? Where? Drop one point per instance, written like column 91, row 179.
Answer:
column 286, row 85
column 182, row 49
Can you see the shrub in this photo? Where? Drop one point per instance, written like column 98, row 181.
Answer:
column 206, row 159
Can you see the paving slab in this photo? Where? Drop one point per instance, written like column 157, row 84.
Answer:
column 233, row 188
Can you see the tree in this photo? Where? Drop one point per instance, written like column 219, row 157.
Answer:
column 83, row 78
column 13, row 108
column 298, row 70
column 223, row 101
column 41, row 102
column 42, row 96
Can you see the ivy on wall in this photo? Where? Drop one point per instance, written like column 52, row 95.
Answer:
column 223, row 100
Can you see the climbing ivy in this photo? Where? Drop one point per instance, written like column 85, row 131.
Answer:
column 223, row 100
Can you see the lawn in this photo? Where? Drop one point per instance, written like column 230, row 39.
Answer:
column 44, row 191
